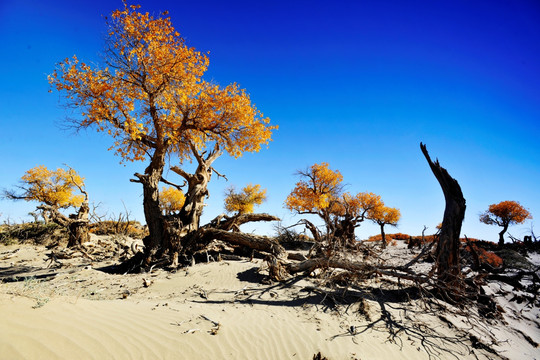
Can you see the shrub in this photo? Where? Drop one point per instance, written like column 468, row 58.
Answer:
column 34, row 233
column 129, row 228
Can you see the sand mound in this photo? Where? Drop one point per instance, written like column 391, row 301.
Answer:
column 221, row 310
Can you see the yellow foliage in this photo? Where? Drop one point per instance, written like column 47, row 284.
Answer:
column 320, row 192
column 152, row 95
column 55, row 188
column 243, row 202
column 384, row 215
column 171, row 199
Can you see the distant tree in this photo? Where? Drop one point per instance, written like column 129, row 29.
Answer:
column 171, row 200
column 151, row 99
column 243, row 202
column 384, row 215
column 55, row 190
column 320, row 192
column 504, row 214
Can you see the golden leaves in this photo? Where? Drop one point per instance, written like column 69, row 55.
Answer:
column 155, row 97
column 384, row 215
column 55, row 188
column 320, row 192
column 319, row 188
column 171, row 200
column 243, row 202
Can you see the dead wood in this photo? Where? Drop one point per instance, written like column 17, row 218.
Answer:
column 256, row 242
column 447, row 253
column 225, row 222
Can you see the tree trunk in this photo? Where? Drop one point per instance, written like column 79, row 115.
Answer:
column 501, row 235
column 154, row 243
column 188, row 220
column 447, row 262
column 78, row 226
column 383, row 236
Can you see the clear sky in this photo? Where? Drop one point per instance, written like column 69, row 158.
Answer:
column 357, row 84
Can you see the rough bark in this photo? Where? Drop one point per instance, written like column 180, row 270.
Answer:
column 383, row 236
column 78, row 226
column 364, row 269
column 54, row 215
column 256, row 242
column 188, row 220
column 501, row 235
column 155, row 243
column 447, row 253
column 225, row 222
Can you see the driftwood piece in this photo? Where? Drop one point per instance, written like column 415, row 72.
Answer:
column 356, row 267
column 225, row 222
column 257, row 242
column 447, row 253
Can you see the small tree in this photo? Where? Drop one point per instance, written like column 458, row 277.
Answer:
column 384, row 215
column 55, row 190
column 504, row 214
column 320, row 192
column 171, row 200
column 243, row 202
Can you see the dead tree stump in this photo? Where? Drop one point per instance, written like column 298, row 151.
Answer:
column 447, row 253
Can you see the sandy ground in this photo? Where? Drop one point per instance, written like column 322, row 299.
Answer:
column 223, row 310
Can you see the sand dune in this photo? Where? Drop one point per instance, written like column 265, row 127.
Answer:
column 219, row 310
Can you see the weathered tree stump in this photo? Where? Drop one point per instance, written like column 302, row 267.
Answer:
column 447, row 253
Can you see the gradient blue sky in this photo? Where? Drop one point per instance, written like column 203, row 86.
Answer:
column 357, row 84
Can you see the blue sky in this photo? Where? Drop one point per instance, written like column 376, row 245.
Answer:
column 357, row 84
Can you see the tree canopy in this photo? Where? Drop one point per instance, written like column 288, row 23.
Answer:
column 151, row 97
column 58, row 188
column 244, row 201
column 383, row 215
column 320, row 192
column 504, row 214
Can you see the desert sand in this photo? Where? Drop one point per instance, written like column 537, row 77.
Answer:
column 225, row 310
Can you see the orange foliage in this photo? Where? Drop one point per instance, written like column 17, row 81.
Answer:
column 151, row 95
column 54, row 188
column 505, row 213
column 384, row 215
column 243, row 202
column 171, row 199
column 485, row 256
column 396, row 236
column 320, row 192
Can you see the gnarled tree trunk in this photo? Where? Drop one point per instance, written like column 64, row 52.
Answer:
column 155, row 242
column 448, row 267
column 78, row 226
column 501, row 234
column 188, row 220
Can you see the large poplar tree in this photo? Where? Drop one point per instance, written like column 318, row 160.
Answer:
column 150, row 97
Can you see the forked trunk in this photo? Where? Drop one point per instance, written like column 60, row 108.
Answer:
column 177, row 227
column 448, row 268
